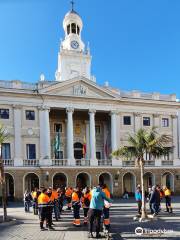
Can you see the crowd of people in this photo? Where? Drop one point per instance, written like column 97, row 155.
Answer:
column 94, row 202
column 154, row 197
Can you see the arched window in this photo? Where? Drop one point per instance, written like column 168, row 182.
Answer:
column 68, row 29
column 77, row 29
column 73, row 28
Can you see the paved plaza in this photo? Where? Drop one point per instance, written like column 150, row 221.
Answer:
column 123, row 226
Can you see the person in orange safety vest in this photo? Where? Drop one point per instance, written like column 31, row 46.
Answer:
column 76, row 204
column 68, row 196
column 86, row 199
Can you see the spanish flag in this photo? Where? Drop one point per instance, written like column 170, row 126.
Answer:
column 84, row 147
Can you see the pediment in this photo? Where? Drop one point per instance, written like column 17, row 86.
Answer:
column 78, row 88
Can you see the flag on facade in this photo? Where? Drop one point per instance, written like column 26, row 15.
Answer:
column 57, row 142
column 84, row 147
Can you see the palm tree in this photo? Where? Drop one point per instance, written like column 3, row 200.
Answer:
column 144, row 142
column 3, row 138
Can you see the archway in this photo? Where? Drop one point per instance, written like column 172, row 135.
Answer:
column 106, row 178
column 83, row 180
column 129, row 183
column 9, row 186
column 149, row 180
column 31, row 181
column 168, row 180
column 59, row 180
column 78, row 150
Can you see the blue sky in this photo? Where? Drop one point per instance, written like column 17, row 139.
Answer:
column 135, row 44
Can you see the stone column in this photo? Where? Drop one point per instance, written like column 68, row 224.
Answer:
column 87, row 140
column 45, row 145
column 115, row 161
column 70, row 137
column 137, row 121
column 105, row 138
column 18, row 156
column 175, row 139
column 92, row 140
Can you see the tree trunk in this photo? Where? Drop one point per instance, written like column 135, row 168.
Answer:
column 144, row 214
column 3, row 184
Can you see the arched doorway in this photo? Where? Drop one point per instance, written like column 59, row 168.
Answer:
column 31, row 182
column 59, row 180
column 129, row 183
column 9, row 186
column 168, row 180
column 78, row 150
column 83, row 180
column 149, row 180
column 106, row 178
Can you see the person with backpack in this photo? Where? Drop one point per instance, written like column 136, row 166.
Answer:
column 86, row 198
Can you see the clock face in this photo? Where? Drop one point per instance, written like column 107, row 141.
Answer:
column 74, row 44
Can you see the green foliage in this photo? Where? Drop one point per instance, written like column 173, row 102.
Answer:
column 145, row 142
column 3, row 134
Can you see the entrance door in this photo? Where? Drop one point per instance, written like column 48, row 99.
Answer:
column 78, row 150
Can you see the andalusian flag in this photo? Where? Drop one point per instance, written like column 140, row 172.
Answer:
column 84, row 147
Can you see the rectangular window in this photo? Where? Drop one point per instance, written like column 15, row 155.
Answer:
column 165, row 122
column 167, row 154
column 98, row 155
column 58, row 127
column 31, row 151
column 146, row 121
column 59, row 155
column 4, row 113
column 98, row 129
column 6, row 151
column 127, row 120
column 30, row 115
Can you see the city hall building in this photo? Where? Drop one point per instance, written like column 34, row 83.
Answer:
column 62, row 132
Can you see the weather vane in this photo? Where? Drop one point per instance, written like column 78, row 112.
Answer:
column 72, row 3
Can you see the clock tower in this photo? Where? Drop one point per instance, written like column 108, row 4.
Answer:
column 73, row 58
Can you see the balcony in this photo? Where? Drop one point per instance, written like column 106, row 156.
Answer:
column 59, row 162
column 8, row 162
column 128, row 163
column 103, row 162
column 82, row 162
column 149, row 163
column 31, row 162
column 167, row 163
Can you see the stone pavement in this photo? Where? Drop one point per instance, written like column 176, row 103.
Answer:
column 122, row 227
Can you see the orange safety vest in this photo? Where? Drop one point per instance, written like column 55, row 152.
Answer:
column 88, row 196
column 55, row 194
column 43, row 200
column 107, row 192
column 68, row 192
column 34, row 194
column 75, row 197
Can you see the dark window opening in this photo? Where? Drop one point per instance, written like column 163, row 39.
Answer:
column 30, row 115
column 127, row 120
column 73, row 28
column 146, row 121
column 77, row 29
column 68, row 29
column 31, row 151
column 59, row 155
column 165, row 122
column 58, row 127
column 4, row 113
column 98, row 155
column 6, row 151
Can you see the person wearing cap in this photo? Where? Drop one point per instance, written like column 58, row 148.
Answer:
column 95, row 210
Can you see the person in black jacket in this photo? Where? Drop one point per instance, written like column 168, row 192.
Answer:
column 155, row 200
